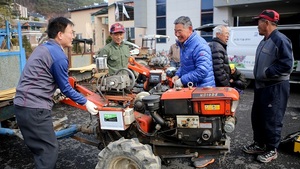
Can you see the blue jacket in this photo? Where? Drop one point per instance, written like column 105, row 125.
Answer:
column 45, row 70
column 196, row 62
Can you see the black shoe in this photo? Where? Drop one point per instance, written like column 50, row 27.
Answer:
column 253, row 148
column 267, row 156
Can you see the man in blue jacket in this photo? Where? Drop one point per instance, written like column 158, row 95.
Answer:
column 45, row 71
column 195, row 56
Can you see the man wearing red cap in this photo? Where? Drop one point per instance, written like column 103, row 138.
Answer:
column 116, row 51
column 273, row 65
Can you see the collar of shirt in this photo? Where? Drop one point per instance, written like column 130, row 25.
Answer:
column 55, row 42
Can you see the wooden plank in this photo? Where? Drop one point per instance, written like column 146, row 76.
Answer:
column 7, row 94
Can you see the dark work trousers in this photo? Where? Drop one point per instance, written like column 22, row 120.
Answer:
column 37, row 129
column 267, row 113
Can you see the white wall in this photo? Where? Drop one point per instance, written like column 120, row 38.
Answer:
column 175, row 9
column 223, row 14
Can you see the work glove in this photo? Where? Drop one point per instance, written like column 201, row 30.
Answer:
column 91, row 107
column 58, row 96
column 174, row 78
column 178, row 83
column 57, row 91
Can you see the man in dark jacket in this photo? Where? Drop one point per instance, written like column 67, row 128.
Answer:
column 219, row 55
column 272, row 69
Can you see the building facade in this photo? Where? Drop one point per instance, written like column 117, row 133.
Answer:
column 93, row 22
column 33, row 27
column 148, row 17
column 158, row 16
column 23, row 11
column 86, row 25
column 240, row 12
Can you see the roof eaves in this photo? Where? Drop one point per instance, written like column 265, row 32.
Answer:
column 104, row 4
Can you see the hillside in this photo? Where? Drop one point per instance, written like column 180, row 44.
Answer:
column 53, row 8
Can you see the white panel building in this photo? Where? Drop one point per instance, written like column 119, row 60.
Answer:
column 150, row 13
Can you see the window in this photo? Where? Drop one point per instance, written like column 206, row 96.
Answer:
column 294, row 35
column 284, row 19
column 206, row 17
column 207, row 5
column 94, row 37
column 129, row 34
column 161, row 10
column 129, row 10
column 244, row 21
column 92, row 19
column 161, row 19
column 132, row 31
column 102, row 37
column 161, row 1
column 161, row 23
column 161, row 40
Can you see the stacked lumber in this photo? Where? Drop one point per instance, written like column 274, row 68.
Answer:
column 7, row 94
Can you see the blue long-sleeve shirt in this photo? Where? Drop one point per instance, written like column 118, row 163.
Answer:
column 45, row 70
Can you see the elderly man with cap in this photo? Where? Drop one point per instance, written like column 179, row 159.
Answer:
column 116, row 51
column 273, row 65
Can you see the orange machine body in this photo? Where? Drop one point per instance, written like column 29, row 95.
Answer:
column 205, row 101
column 103, row 104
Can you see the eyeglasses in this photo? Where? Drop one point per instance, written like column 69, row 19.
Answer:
column 263, row 21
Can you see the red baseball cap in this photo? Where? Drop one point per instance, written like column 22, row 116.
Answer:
column 117, row 27
column 268, row 14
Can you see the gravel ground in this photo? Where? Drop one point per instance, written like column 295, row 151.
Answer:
column 76, row 155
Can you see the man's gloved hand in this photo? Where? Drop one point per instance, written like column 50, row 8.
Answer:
column 174, row 78
column 178, row 83
column 57, row 91
column 58, row 96
column 91, row 107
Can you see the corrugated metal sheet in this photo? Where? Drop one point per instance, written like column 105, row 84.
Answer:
column 9, row 72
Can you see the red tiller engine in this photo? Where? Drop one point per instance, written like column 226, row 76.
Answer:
column 194, row 116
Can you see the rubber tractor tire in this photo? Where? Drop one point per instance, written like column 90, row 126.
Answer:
column 128, row 154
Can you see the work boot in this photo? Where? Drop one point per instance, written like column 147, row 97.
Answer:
column 253, row 148
column 267, row 156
